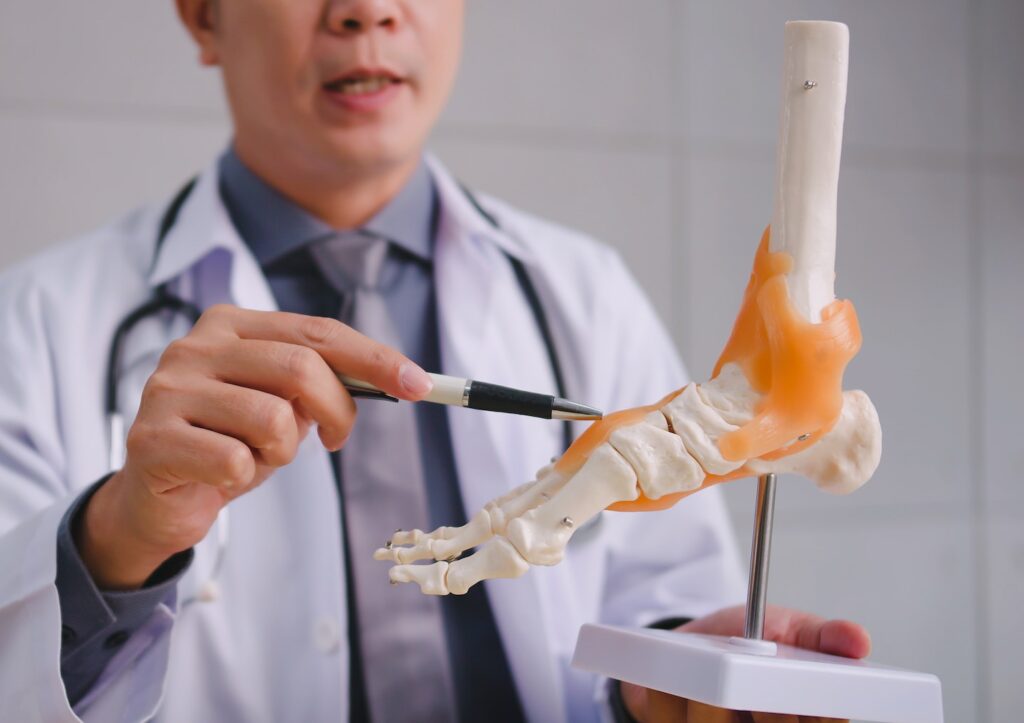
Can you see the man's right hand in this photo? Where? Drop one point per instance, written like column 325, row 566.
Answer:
column 227, row 405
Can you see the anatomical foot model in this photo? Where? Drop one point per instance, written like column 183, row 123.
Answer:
column 774, row 403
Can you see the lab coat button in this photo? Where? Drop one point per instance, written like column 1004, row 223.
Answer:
column 326, row 634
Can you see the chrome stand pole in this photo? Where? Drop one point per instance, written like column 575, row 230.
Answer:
column 760, row 553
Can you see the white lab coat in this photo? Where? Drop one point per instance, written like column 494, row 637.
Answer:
column 272, row 646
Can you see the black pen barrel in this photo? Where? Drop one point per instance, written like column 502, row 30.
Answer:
column 496, row 398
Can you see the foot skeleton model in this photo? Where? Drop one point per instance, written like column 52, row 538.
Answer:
column 774, row 403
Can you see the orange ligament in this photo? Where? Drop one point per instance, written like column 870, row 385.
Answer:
column 796, row 365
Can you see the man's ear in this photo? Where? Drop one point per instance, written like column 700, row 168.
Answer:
column 201, row 21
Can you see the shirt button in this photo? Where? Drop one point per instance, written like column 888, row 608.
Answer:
column 326, row 634
column 116, row 640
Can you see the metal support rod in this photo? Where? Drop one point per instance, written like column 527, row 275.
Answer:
column 760, row 553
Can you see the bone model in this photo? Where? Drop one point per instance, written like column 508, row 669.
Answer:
column 774, row 402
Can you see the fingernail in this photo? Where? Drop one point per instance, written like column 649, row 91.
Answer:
column 415, row 381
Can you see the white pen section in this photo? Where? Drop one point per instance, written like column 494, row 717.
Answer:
column 447, row 390
column 815, row 63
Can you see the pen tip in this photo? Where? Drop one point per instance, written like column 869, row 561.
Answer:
column 564, row 409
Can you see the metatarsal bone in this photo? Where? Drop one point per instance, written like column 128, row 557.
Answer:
column 445, row 543
column 658, row 457
column 543, row 489
column 700, row 427
column 541, row 534
column 496, row 559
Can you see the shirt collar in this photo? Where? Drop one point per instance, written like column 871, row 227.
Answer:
column 203, row 226
column 273, row 225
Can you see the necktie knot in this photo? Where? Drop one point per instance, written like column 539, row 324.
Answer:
column 351, row 261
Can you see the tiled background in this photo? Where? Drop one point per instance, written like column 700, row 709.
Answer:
column 652, row 124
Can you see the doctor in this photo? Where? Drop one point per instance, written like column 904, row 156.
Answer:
column 129, row 595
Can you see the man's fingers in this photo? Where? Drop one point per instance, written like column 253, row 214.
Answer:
column 181, row 453
column 775, row 718
column 264, row 422
column 791, row 627
column 842, row 637
column 834, row 637
column 293, row 372
column 665, row 708
column 697, row 712
column 344, row 349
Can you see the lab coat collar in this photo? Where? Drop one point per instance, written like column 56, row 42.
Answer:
column 202, row 228
column 457, row 208
column 203, row 225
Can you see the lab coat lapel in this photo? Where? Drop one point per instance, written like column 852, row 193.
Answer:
column 204, row 259
column 488, row 332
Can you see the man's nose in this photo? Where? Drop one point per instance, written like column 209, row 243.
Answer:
column 357, row 16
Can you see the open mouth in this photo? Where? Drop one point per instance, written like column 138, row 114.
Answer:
column 362, row 84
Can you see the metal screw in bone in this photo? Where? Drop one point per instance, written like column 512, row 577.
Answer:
column 809, row 84
column 567, row 522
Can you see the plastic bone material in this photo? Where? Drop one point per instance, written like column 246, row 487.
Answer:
column 774, row 403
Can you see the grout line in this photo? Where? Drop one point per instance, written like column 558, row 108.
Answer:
column 123, row 113
column 542, row 137
column 976, row 371
column 808, row 517
column 681, row 251
column 854, row 154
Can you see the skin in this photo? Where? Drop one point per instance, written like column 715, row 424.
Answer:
column 230, row 402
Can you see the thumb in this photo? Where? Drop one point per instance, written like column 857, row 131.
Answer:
column 834, row 637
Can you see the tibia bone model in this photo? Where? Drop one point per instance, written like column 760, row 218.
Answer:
column 774, row 402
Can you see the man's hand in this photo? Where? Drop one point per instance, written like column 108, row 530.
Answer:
column 227, row 405
column 803, row 630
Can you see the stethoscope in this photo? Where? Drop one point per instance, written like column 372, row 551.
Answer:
column 165, row 301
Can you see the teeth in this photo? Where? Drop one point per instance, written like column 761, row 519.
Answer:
column 361, row 86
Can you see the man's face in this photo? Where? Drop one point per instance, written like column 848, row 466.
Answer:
column 342, row 86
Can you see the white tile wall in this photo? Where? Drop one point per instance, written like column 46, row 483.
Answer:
column 999, row 64
column 908, row 70
column 651, row 125
column 119, row 54
column 69, row 174
column 1005, row 637
column 907, row 578
column 583, row 65
column 1001, row 247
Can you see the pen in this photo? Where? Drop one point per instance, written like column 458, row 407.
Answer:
column 458, row 392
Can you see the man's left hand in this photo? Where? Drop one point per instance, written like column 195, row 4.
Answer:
column 790, row 627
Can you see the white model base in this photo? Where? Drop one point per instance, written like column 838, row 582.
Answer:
column 752, row 676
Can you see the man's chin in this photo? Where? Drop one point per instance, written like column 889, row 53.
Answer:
column 368, row 154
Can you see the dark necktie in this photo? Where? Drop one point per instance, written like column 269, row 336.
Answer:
column 405, row 663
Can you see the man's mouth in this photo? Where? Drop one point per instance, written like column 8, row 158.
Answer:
column 362, row 84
